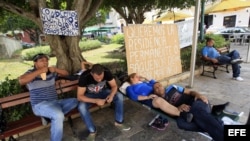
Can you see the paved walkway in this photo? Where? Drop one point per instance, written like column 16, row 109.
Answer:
column 217, row 90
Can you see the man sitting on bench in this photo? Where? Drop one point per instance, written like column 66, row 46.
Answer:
column 43, row 95
column 209, row 53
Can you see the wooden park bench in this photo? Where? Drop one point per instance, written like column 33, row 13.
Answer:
column 215, row 66
column 32, row 122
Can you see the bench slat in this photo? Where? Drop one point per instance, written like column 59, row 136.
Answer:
column 32, row 121
column 21, row 125
column 16, row 102
column 14, row 97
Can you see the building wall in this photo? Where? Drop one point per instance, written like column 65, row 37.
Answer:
column 242, row 17
column 8, row 46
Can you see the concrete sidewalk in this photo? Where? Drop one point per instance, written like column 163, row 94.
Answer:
column 217, row 90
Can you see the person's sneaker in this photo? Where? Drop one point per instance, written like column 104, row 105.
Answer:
column 158, row 124
column 187, row 116
column 217, row 109
column 164, row 120
column 91, row 137
column 238, row 78
column 248, row 120
column 123, row 126
column 239, row 60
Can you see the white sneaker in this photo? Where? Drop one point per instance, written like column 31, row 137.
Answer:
column 238, row 78
column 238, row 61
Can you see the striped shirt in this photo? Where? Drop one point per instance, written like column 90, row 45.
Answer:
column 42, row 90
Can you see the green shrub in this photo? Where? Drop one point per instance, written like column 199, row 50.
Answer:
column 89, row 44
column 104, row 39
column 118, row 39
column 28, row 54
column 12, row 87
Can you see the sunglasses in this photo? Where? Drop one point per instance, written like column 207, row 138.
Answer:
column 39, row 56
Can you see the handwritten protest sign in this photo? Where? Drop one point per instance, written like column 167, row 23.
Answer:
column 153, row 51
column 59, row 22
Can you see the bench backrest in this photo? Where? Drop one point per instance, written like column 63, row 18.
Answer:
column 21, row 98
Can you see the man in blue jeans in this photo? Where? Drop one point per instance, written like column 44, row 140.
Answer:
column 209, row 53
column 43, row 96
column 98, row 86
column 197, row 104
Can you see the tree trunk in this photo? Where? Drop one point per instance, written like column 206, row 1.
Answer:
column 67, row 51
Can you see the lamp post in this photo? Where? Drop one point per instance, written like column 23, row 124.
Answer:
column 202, row 20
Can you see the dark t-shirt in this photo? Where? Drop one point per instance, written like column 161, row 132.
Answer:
column 175, row 96
column 87, row 80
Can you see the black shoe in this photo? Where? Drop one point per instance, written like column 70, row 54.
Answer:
column 159, row 124
column 187, row 116
column 217, row 109
column 248, row 120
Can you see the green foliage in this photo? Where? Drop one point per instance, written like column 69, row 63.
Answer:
column 185, row 58
column 12, row 87
column 12, row 21
column 118, row 39
column 219, row 40
column 89, row 44
column 28, row 54
column 103, row 39
column 9, row 87
column 133, row 10
column 99, row 18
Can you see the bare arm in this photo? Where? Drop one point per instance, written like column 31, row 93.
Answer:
column 60, row 72
column 196, row 94
column 114, row 88
column 81, row 97
column 213, row 60
column 151, row 96
column 28, row 77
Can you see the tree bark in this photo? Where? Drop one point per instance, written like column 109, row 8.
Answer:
column 67, row 51
column 65, row 48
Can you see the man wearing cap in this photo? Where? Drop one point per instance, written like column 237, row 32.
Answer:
column 43, row 96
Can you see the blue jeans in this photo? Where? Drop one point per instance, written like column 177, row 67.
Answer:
column 226, row 59
column 203, row 121
column 55, row 111
column 84, row 108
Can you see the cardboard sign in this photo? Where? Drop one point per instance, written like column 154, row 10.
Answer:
column 153, row 51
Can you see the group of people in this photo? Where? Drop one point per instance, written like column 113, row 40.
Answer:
column 97, row 86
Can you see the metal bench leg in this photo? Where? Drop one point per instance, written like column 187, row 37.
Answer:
column 203, row 69
column 215, row 68
column 227, row 68
column 72, row 126
column 11, row 138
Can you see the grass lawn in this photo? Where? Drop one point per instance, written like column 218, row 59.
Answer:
column 16, row 66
